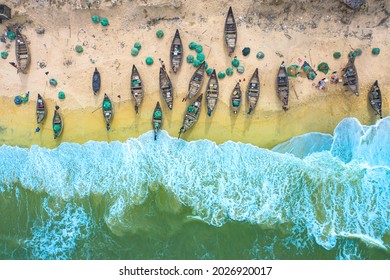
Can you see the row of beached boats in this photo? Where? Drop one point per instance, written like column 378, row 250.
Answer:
column 193, row 110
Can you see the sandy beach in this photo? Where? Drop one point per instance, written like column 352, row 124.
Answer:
column 283, row 31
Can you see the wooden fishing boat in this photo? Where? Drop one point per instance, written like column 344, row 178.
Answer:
column 236, row 98
column 212, row 92
column 191, row 115
column 96, row 82
column 230, row 32
column 253, row 91
column 375, row 98
column 157, row 119
column 58, row 124
column 22, row 53
column 282, row 86
column 351, row 78
column 176, row 52
column 108, row 110
column 136, row 88
column 40, row 109
column 195, row 82
column 166, row 88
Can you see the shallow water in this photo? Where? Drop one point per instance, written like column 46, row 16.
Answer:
column 316, row 196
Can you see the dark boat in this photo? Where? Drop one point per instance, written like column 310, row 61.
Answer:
column 58, row 124
column 191, row 115
column 375, row 98
column 236, row 98
column 166, row 88
column 96, row 81
column 253, row 91
column 195, row 82
column 282, row 86
column 157, row 119
column 22, row 53
column 176, row 52
column 212, row 92
column 351, row 76
column 40, row 109
column 230, row 32
column 136, row 88
column 108, row 110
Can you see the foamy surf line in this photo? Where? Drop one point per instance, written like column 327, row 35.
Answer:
column 332, row 186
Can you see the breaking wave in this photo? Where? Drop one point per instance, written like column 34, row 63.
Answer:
column 332, row 187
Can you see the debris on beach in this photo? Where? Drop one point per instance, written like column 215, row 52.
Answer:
column 235, row 62
column 322, row 83
column 358, row 52
column 199, row 48
column 200, row 57
column 279, row 54
column 5, row 12
column 40, row 30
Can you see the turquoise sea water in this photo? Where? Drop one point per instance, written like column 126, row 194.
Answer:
column 316, row 196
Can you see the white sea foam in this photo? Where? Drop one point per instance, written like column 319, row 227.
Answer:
column 332, row 186
column 56, row 237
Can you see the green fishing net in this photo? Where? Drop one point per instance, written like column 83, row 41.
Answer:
column 149, row 60
column 190, row 58
column 160, row 33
